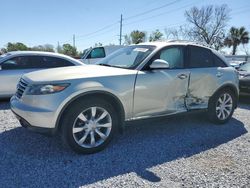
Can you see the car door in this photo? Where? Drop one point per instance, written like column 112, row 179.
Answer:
column 162, row 91
column 204, row 76
column 11, row 71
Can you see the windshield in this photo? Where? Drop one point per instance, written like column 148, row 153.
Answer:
column 129, row 57
column 245, row 67
column 4, row 55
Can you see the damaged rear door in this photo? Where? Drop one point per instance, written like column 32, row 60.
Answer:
column 204, row 77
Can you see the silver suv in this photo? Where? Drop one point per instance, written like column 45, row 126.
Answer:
column 87, row 105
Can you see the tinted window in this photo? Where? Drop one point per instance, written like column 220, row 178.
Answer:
column 53, row 62
column 22, row 62
column 97, row 53
column 200, row 57
column 174, row 56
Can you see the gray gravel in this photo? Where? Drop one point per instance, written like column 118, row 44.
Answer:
column 182, row 151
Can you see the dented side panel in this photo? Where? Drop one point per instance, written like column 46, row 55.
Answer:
column 204, row 82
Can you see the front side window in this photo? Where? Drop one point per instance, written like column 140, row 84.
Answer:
column 96, row 53
column 128, row 57
column 174, row 56
column 200, row 57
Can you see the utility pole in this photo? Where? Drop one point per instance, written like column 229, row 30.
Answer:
column 58, row 46
column 120, row 39
column 74, row 41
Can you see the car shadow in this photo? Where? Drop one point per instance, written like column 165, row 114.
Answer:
column 27, row 158
column 5, row 104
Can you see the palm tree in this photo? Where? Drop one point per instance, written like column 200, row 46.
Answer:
column 236, row 37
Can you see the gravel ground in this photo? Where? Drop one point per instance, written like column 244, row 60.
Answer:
column 182, row 151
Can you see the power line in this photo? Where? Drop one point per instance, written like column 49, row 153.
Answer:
column 151, row 10
column 157, row 15
column 99, row 30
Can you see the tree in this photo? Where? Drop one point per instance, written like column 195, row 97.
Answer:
column 155, row 36
column 67, row 49
column 127, row 40
column 98, row 44
column 45, row 48
column 3, row 51
column 208, row 24
column 135, row 37
column 236, row 37
column 16, row 47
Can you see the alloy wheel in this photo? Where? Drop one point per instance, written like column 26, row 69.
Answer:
column 224, row 106
column 92, row 127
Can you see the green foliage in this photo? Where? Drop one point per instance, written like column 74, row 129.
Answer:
column 67, row 49
column 135, row 37
column 16, row 47
column 156, row 35
column 236, row 37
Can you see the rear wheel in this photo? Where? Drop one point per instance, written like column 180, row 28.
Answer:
column 88, row 126
column 221, row 106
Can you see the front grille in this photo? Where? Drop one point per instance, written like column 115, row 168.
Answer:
column 21, row 86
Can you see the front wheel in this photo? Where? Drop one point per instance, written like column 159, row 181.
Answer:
column 221, row 106
column 89, row 125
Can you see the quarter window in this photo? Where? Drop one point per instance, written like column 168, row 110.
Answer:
column 200, row 57
column 218, row 62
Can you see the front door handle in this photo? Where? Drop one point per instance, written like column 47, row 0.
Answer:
column 182, row 76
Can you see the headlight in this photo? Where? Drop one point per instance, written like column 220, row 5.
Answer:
column 44, row 89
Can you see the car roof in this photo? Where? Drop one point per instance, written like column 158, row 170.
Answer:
column 161, row 44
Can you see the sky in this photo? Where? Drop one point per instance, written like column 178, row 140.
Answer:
column 36, row 22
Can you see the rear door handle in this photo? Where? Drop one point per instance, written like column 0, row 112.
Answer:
column 182, row 76
column 219, row 74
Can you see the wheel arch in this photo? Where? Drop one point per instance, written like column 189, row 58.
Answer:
column 114, row 100
column 230, row 87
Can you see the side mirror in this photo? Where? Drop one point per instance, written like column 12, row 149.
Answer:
column 159, row 64
column 0, row 67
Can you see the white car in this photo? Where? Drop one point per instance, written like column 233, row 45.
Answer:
column 14, row 64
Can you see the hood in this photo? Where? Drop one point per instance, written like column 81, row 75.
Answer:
column 76, row 72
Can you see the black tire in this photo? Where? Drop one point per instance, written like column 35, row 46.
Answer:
column 71, row 116
column 213, row 102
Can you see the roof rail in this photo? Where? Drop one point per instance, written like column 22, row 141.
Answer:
column 190, row 42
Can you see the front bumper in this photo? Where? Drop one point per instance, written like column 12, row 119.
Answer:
column 27, row 125
column 38, row 119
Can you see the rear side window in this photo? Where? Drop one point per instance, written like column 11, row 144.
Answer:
column 53, row 62
column 96, row 53
column 200, row 57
